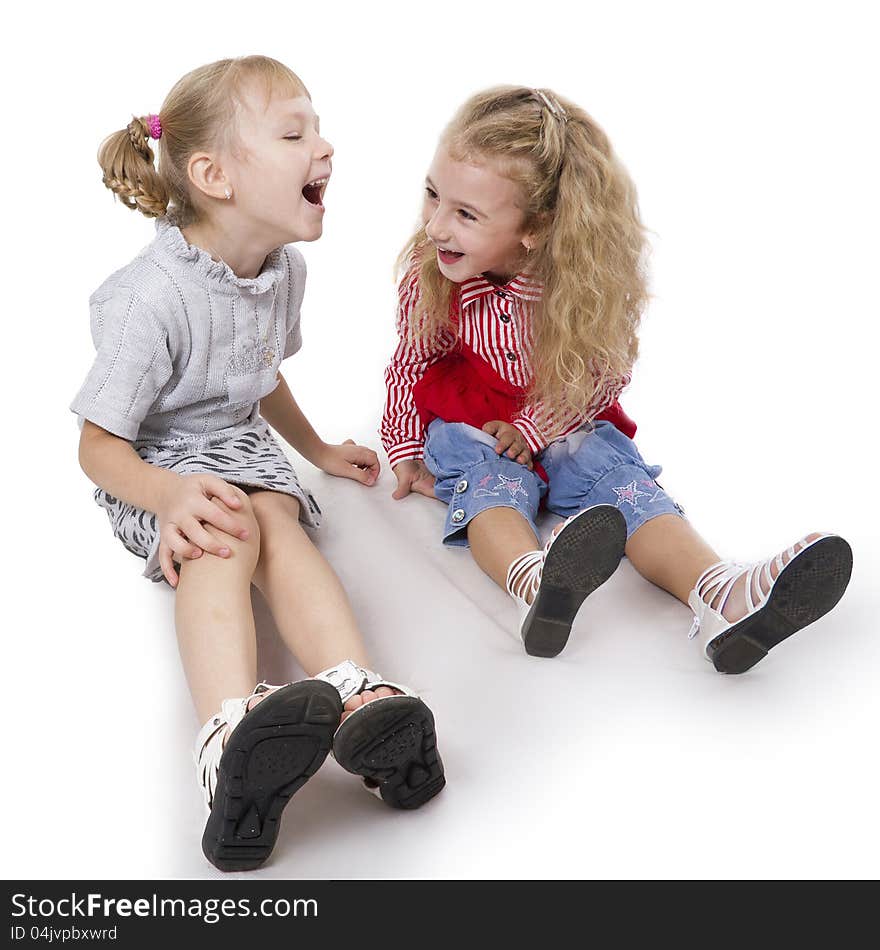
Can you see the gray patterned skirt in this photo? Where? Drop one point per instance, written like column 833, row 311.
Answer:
column 253, row 459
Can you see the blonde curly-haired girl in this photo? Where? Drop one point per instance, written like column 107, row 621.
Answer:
column 518, row 321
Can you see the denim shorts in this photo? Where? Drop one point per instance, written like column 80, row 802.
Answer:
column 597, row 465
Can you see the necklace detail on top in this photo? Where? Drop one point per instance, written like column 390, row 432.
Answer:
column 263, row 353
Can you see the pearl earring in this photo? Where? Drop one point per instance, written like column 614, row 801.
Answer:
column 228, row 192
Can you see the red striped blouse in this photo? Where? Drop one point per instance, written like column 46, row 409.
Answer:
column 496, row 323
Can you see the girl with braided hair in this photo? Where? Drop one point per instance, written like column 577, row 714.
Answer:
column 518, row 322
column 174, row 416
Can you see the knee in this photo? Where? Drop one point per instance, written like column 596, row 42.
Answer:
column 246, row 550
column 494, row 483
column 463, row 462
column 274, row 510
column 281, row 534
column 454, row 447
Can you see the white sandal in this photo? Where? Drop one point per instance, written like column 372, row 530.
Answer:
column 248, row 776
column 809, row 583
column 390, row 741
column 579, row 558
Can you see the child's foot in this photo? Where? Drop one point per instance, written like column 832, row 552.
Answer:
column 551, row 585
column 367, row 696
column 742, row 611
column 251, row 757
column 387, row 737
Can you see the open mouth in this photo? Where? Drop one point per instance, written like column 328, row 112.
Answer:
column 449, row 257
column 313, row 192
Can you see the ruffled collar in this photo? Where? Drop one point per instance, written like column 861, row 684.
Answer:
column 217, row 274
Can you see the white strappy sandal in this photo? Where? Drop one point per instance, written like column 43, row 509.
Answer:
column 580, row 557
column 390, row 741
column 250, row 762
column 812, row 576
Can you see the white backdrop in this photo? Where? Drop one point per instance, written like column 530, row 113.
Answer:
column 750, row 130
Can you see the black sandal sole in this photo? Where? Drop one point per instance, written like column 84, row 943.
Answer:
column 392, row 742
column 806, row 589
column 583, row 556
column 270, row 754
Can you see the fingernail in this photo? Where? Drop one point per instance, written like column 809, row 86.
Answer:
column 243, row 535
column 224, row 552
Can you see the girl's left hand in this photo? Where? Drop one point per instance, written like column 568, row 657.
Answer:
column 510, row 442
column 350, row 461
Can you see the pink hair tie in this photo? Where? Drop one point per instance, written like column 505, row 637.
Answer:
column 154, row 127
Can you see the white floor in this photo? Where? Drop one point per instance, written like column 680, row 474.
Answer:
column 627, row 756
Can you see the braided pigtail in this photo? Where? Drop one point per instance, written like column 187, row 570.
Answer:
column 126, row 160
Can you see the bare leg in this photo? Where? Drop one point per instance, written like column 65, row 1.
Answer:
column 215, row 621
column 497, row 537
column 668, row 552
column 307, row 600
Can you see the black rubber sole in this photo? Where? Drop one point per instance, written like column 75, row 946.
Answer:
column 392, row 742
column 584, row 555
column 805, row 590
column 270, row 754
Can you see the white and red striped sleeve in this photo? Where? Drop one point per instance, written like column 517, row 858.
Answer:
column 402, row 433
column 540, row 427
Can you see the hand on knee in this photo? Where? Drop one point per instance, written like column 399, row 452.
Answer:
column 238, row 552
column 189, row 510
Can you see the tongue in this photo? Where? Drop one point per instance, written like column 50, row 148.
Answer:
column 312, row 194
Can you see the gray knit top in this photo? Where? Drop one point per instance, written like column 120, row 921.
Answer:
column 185, row 349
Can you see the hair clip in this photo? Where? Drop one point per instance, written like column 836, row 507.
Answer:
column 556, row 110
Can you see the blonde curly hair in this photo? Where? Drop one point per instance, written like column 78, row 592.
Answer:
column 591, row 250
column 199, row 113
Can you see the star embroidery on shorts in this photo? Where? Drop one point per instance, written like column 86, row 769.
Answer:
column 630, row 494
column 649, row 483
column 484, row 481
column 514, row 486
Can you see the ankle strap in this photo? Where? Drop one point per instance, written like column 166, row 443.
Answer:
column 524, row 575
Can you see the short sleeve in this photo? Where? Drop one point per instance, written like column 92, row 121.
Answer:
column 296, row 289
column 132, row 364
